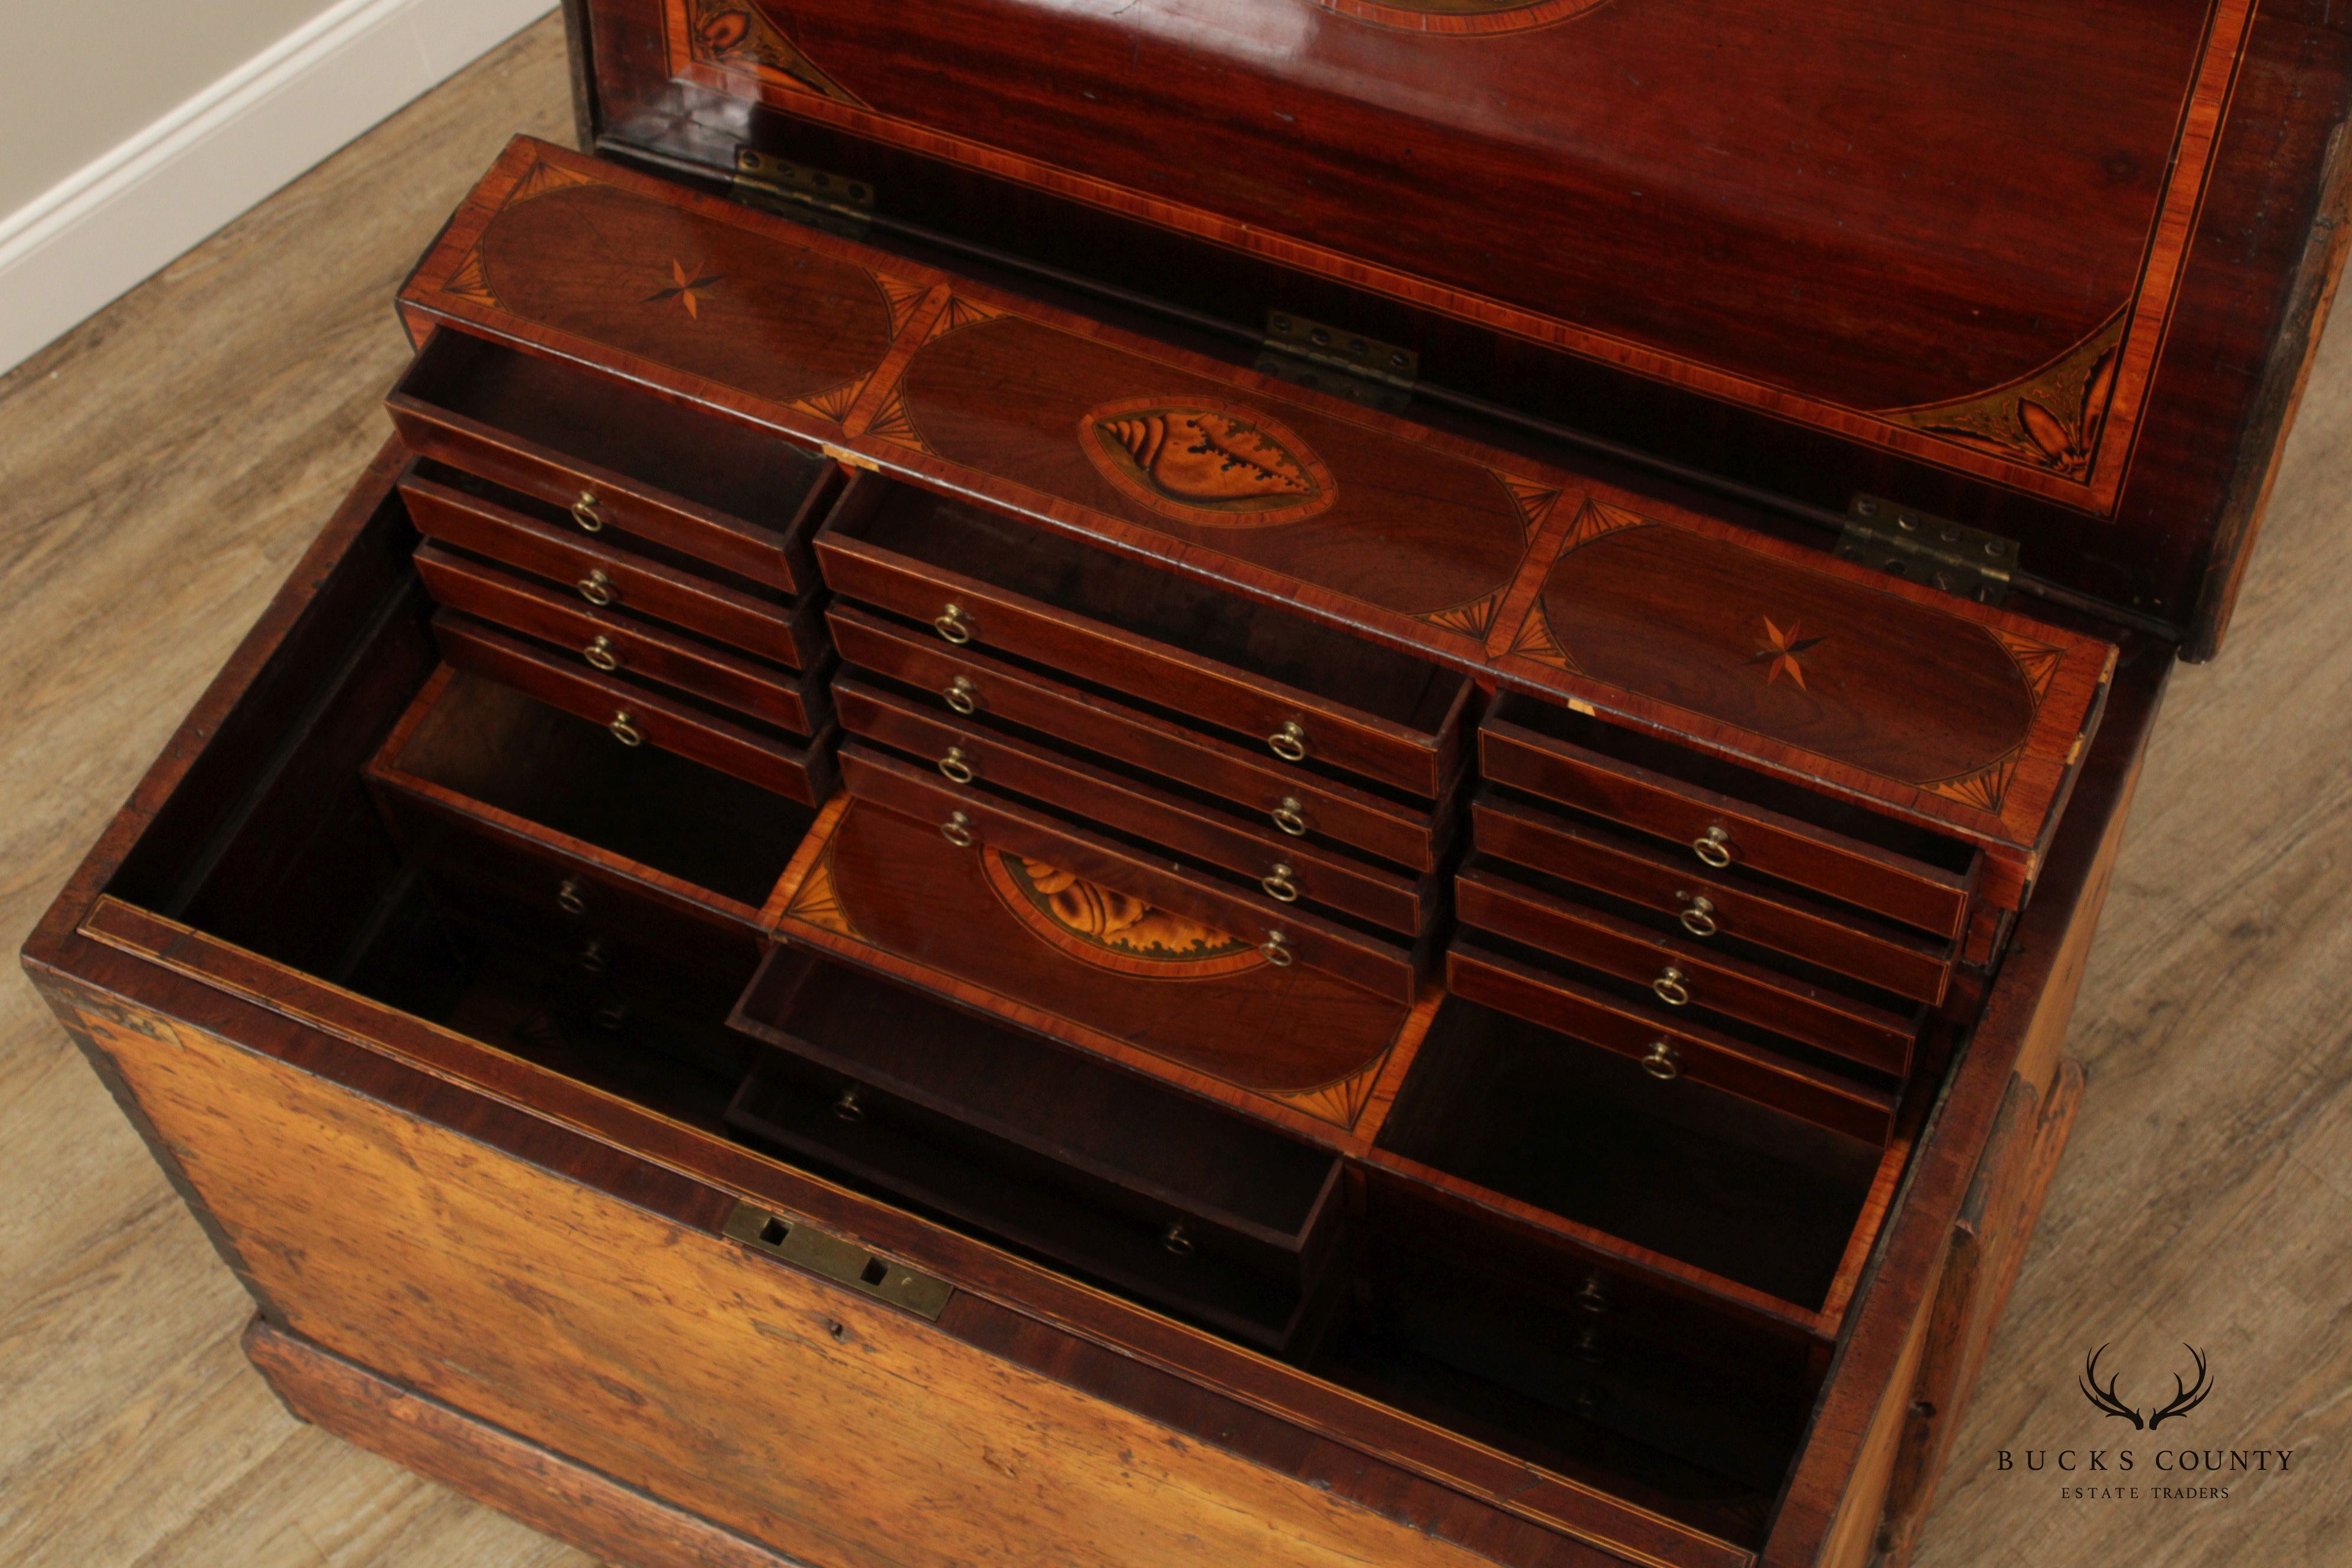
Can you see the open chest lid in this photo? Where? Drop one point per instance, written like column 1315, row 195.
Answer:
column 2050, row 272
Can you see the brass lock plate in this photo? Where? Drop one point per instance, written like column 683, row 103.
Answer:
column 804, row 1245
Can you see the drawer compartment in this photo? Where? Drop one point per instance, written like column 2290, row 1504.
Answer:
column 1305, row 692
column 1722, row 816
column 606, row 571
column 1158, row 1194
column 1711, row 906
column 634, row 716
column 1284, row 869
column 1671, row 1053
column 1686, row 974
column 617, row 456
column 1295, row 803
column 618, row 643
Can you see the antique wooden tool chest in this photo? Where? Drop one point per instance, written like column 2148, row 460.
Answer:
column 1208, row 780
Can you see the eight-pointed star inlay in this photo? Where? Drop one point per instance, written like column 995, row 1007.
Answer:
column 1784, row 648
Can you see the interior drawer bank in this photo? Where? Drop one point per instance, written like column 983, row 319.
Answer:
column 1310, row 694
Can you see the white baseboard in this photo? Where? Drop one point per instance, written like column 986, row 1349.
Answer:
column 120, row 217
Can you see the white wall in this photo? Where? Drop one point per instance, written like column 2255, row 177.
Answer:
column 132, row 128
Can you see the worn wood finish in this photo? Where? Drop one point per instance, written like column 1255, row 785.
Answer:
column 977, row 392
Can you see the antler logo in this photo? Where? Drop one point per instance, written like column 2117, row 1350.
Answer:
column 2186, row 1397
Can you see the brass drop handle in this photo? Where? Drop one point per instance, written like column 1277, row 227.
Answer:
column 1277, row 883
column 847, row 1108
column 599, row 652
column 1589, row 1346
column 597, row 589
column 955, row 766
column 627, row 733
column 1699, row 917
column 592, row 957
column 1670, row 987
column 1713, row 847
column 957, row 830
column 952, row 626
column 568, row 899
column 1663, row 1062
column 612, row 1016
column 1289, row 743
column 963, row 696
column 1276, row 948
column 1289, row 817
column 1591, row 1296
column 1175, row 1241
column 585, row 514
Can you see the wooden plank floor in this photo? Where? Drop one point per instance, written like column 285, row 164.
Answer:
column 162, row 467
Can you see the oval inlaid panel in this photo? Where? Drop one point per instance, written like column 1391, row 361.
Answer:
column 1397, row 525
column 902, row 887
column 1845, row 671
column 747, row 310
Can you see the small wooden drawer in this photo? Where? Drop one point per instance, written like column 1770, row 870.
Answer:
column 1685, row 974
column 1177, row 1201
column 1710, row 905
column 1309, row 694
column 637, row 716
column 1668, row 1050
column 1724, row 816
column 1284, row 870
column 1297, row 803
column 1282, row 933
column 602, row 573
column 616, row 455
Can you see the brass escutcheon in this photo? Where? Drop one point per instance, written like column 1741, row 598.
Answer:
column 1279, row 885
column 1698, row 916
column 628, row 734
column 957, row 830
column 953, row 626
column 1289, row 817
column 1276, row 948
column 1713, row 847
column 1670, row 987
column 584, row 513
column 1289, row 743
column 597, row 589
column 955, row 766
column 1663, row 1062
column 600, row 653
column 963, row 696
column 568, row 899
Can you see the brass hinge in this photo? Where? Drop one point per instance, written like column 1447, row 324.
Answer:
column 834, row 203
column 1921, row 547
column 804, row 1245
column 1334, row 360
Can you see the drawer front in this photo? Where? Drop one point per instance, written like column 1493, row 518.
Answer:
column 1385, row 969
column 796, row 773
column 599, row 497
column 1669, row 1052
column 602, row 573
column 619, row 644
column 1908, row 966
column 1288, row 871
column 1683, row 974
column 1328, row 733
column 1717, row 831
column 1297, row 803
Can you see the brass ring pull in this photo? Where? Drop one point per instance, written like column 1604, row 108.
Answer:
column 1175, row 1241
column 1289, row 817
column 628, row 734
column 1714, row 848
column 1699, row 917
column 568, row 899
column 1670, row 987
column 592, row 957
column 963, row 696
column 597, row 589
column 1276, row 948
column 612, row 1016
column 1279, row 885
column 957, row 830
column 1289, row 743
column 953, row 626
column 584, row 513
column 954, row 765
column 600, row 654
column 1663, row 1063
column 1590, row 1347
column 1590, row 1297
column 847, row 1107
